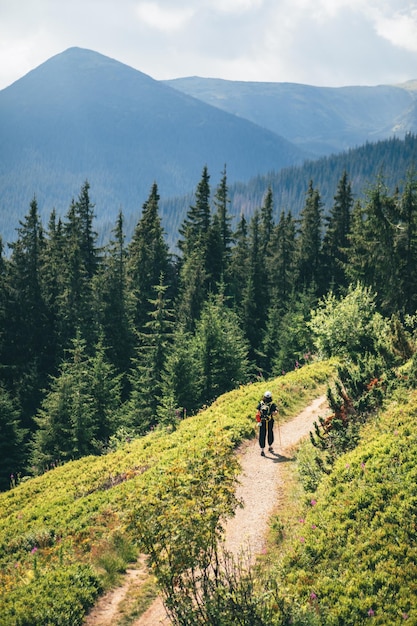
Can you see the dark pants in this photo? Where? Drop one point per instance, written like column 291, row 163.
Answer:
column 266, row 427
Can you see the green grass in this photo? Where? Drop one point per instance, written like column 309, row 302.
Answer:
column 55, row 529
column 354, row 555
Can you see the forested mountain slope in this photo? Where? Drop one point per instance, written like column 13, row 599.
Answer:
column 322, row 120
column 81, row 115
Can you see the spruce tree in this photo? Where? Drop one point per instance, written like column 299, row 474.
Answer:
column 372, row 254
column 335, row 240
column 78, row 414
column 194, row 266
column 181, row 383
column 26, row 331
column 406, row 248
column 12, row 441
column 112, row 300
column 142, row 409
column 239, row 265
column 220, row 237
column 309, row 240
column 147, row 259
column 221, row 350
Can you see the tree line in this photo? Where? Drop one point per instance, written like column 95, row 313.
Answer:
column 99, row 344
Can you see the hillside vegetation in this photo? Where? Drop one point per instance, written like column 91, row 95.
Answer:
column 355, row 555
column 63, row 533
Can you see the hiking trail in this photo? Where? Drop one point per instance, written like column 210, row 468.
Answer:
column 260, row 488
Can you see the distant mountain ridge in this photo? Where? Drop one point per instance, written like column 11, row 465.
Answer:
column 321, row 120
column 81, row 115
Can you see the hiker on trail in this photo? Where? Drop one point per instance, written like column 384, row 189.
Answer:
column 266, row 410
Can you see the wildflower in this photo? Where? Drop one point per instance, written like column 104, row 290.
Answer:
column 34, row 550
column 313, row 526
column 371, row 612
column 313, row 596
column 302, row 539
column 301, row 521
column 313, row 502
column 405, row 616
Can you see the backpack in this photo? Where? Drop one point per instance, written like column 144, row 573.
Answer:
column 264, row 410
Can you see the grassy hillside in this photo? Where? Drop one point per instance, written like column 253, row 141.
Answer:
column 344, row 554
column 353, row 556
column 62, row 532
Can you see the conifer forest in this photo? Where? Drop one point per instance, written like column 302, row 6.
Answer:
column 103, row 343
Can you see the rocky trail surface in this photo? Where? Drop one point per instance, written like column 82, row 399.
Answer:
column 260, row 489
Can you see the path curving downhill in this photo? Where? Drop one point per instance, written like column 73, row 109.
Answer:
column 260, row 489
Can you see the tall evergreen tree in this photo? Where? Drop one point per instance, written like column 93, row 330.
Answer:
column 87, row 236
column 78, row 414
column 147, row 259
column 255, row 294
column 372, row 259
column 142, row 409
column 266, row 224
column 239, row 265
column 26, row 331
column 221, row 350
column 181, row 382
column 194, row 271
column 221, row 238
column 335, row 240
column 78, row 310
column 111, row 296
column 282, row 262
column 309, row 240
column 406, row 248
column 281, row 270
column 12, row 441
column 194, row 229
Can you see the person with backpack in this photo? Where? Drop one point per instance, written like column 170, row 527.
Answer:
column 266, row 411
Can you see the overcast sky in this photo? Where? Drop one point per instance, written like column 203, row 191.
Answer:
column 315, row 42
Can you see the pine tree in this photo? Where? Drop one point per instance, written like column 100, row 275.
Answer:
column 309, row 240
column 194, row 272
column 221, row 350
column 220, row 237
column 142, row 409
column 335, row 240
column 181, row 382
column 372, row 256
column 26, row 330
column 77, row 415
column 147, row 259
column 87, row 236
column 239, row 265
column 78, row 310
column 255, row 293
column 112, row 301
column 194, row 229
column 406, row 248
column 282, row 260
column 12, row 441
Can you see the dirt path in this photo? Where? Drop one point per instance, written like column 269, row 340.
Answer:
column 260, row 489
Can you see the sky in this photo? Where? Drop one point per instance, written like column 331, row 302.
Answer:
column 316, row 42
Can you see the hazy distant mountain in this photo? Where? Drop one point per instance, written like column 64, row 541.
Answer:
column 81, row 115
column 322, row 120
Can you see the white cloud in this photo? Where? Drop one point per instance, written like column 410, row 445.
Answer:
column 400, row 29
column 332, row 42
column 162, row 18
